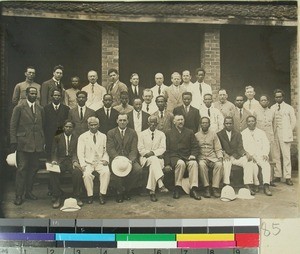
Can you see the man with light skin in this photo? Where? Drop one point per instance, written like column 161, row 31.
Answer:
column 124, row 107
column 19, row 94
column 135, row 90
column 165, row 118
column 148, row 105
column 115, row 87
column 174, row 92
column 285, row 123
column 70, row 94
column 186, row 78
column 95, row 92
column 159, row 88
column 226, row 107
column 251, row 104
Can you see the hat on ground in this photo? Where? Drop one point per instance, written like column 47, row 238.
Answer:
column 70, row 205
column 227, row 194
column 185, row 184
column 11, row 159
column 244, row 194
column 121, row 166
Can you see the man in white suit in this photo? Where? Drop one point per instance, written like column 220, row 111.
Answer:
column 92, row 156
column 200, row 89
column 285, row 122
column 151, row 146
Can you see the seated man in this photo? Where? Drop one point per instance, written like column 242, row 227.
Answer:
column 234, row 153
column 257, row 148
column 151, row 146
column 92, row 155
column 210, row 157
column 122, row 141
column 64, row 153
column 181, row 151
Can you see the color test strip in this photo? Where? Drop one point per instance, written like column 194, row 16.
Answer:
column 206, row 244
column 145, row 237
column 147, row 244
column 247, row 240
column 84, row 237
column 27, row 236
column 205, row 237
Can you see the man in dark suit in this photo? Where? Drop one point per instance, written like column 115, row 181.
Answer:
column 181, row 151
column 64, row 154
column 234, row 153
column 107, row 115
column 240, row 114
column 115, row 87
column 135, row 90
column 55, row 115
column 138, row 119
column 191, row 115
column 27, row 138
column 51, row 84
column 122, row 141
column 165, row 118
column 80, row 114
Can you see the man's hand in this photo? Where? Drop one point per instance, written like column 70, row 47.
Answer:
column 226, row 157
column 76, row 165
column 265, row 157
column 167, row 168
column 147, row 155
column 249, row 157
column 192, row 158
column 104, row 163
column 54, row 163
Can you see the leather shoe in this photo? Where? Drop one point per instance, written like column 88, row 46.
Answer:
column 90, row 200
column 18, row 200
column 247, row 186
column 79, row 202
column 29, row 195
column 126, row 196
column 277, row 180
column 194, row 194
column 256, row 188
column 56, row 203
column 176, row 193
column 289, row 182
column 153, row 197
column 272, row 184
column 216, row 192
column 206, row 192
column 267, row 190
column 101, row 199
column 119, row 198
column 163, row 189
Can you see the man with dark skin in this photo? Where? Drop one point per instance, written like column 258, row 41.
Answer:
column 70, row 94
column 165, row 118
column 124, row 107
column 240, row 114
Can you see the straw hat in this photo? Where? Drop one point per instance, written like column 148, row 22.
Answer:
column 121, row 166
column 227, row 194
column 70, row 205
column 11, row 159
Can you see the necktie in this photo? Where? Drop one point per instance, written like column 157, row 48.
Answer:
column 152, row 136
column 208, row 112
column 200, row 87
column 94, row 139
column 68, row 145
column 159, row 90
column 81, row 114
column 241, row 114
column 56, row 108
column 135, row 91
column 147, row 108
column 32, row 109
column 58, row 85
column 138, row 115
column 249, row 105
column 278, row 107
column 107, row 114
column 186, row 109
column 92, row 88
column 161, row 114
column 122, row 134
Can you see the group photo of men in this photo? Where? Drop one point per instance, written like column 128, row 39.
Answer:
column 172, row 138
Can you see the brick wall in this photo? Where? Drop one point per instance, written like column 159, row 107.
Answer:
column 110, row 50
column 294, row 72
column 210, row 57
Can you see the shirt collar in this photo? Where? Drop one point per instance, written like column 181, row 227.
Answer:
column 83, row 107
column 120, row 130
column 30, row 103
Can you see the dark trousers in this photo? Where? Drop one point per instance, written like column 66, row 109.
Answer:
column 129, row 182
column 66, row 165
column 27, row 166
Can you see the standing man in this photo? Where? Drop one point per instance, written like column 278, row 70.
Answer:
column 124, row 107
column 240, row 114
column 70, row 94
column 165, row 118
column 285, row 122
column 191, row 114
column 257, row 147
column 138, row 119
column 210, row 157
column 51, row 84
column 92, row 155
column 80, row 114
column 181, row 152
column 115, row 87
column 107, row 115
column 135, row 90
column 122, row 141
column 148, row 105
column 225, row 106
column 151, row 146
column 174, row 92
column 95, row 92
column 251, row 104
column 200, row 88
column 19, row 94
column 234, row 153
column 64, row 154
column 55, row 116
column 215, row 116
column 186, row 81
column 159, row 88
column 27, row 138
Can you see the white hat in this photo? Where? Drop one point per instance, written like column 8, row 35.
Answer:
column 121, row 166
column 227, row 194
column 185, row 184
column 244, row 194
column 11, row 159
column 70, row 205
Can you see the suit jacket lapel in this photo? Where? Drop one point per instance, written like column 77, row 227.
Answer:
column 28, row 111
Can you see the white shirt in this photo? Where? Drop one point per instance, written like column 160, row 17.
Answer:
column 197, row 100
column 95, row 94
column 120, row 130
column 252, row 105
column 83, row 110
column 31, row 104
column 189, row 86
column 228, row 135
column 137, row 121
column 216, row 118
column 54, row 106
column 155, row 90
column 66, row 141
column 152, row 107
column 133, row 89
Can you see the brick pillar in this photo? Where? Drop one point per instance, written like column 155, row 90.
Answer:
column 294, row 72
column 110, row 50
column 210, row 57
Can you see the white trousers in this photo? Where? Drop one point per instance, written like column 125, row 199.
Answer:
column 265, row 170
column 155, row 171
column 192, row 167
